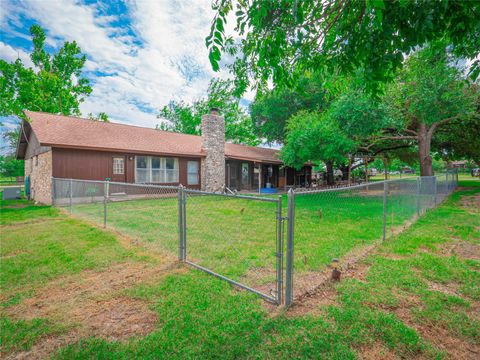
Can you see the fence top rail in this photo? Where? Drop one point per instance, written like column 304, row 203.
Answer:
column 296, row 192
column 247, row 197
column 145, row 185
column 68, row 179
column 120, row 183
column 363, row 185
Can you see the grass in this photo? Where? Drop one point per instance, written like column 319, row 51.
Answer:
column 415, row 300
column 38, row 244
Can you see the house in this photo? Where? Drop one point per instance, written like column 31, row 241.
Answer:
column 70, row 147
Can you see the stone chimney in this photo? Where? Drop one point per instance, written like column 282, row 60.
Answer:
column 213, row 145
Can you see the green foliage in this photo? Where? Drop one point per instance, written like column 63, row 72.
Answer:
column 101, row 116
column 431, row 89
column 11, row 167
column 312, row 136
column 55, row 84
column 282, row 39
column 186, row 118
column 271, row 110
column 459, row 140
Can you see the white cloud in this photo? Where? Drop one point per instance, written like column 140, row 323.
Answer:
column 10, row 54
column 139, row 79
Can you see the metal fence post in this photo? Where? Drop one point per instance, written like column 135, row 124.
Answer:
column 180, row 224
column 71, row 195
column 385, row 191
column 290, row 240
column 279, row 251
column 105, row 201
column 53, row 191
column 419, row 182
column 184, row 218
column 435, row 191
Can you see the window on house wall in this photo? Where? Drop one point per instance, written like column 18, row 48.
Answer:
column 154, row 169
column 118, row 166
column 192, row 173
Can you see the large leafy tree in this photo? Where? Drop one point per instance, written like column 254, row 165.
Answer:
column 313, row 136
column 429, row 93
column 9, row 165
column 460, row 139
column 54, row 85
column 281, row 39
column 186, row 118
column 271, row 109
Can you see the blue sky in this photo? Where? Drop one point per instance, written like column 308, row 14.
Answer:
column 140, row 54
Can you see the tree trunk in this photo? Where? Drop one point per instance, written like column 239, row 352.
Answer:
column 345, row 170
column 385, row 167
column 424, row 142
column 330, row 180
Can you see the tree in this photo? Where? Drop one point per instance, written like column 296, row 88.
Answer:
column 312, row 136
column 428, row 93
column 101, row 116
column 282, row 39
column 186, row 118
column 271, row 110
column 11, row 167
column 55, row 84
column 459, row 140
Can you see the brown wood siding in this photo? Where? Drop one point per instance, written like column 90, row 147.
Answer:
column 34, row 148
column 98, row 165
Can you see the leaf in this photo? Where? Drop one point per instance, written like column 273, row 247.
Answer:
column 378, row 4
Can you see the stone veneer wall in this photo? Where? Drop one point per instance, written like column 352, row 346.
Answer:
column 213, row 144
column 39, row 169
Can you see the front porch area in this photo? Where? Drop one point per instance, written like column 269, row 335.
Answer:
column 258, row 177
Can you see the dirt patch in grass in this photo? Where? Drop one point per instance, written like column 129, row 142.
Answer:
column 468, row 250
column 314, row 301
column 92, row 303
column 64, row 295
column 439, row 337
column 448, row 289
column 117, row 318
column 471, row 203
column 463, row 249
column 377, row 351
column 48, row 345
column 13, row 254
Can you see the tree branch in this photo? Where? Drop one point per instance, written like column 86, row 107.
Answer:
column 439, row 123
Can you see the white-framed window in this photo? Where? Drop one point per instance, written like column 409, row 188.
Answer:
column 155, row 169
column 118, row 166
column 192, row 173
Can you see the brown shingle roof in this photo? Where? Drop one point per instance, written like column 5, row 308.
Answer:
column 72, row 132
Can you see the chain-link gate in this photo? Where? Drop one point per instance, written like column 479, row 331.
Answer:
column 235, row 238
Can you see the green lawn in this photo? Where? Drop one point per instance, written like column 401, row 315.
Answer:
column 417, row 295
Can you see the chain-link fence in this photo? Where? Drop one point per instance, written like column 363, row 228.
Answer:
column 240, row 239
column 334, row 227
column 147, row 214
